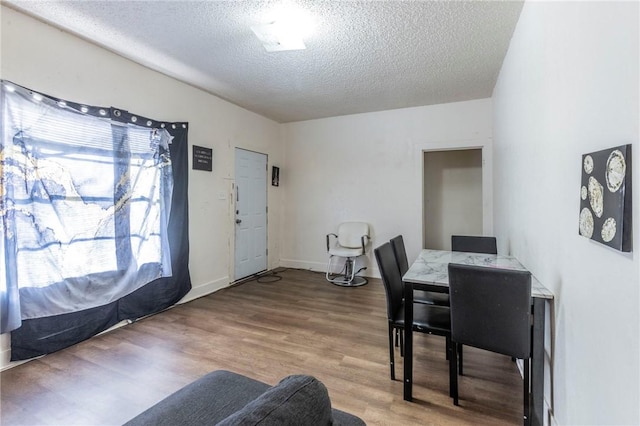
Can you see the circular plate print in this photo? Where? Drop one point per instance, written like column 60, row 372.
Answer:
column 588, row 164
column 596, row 196
column 583, row 192
column 586, row 223
column 616, row 168
column 608, row 230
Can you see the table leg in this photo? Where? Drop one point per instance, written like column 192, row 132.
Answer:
column 408, row 340
column 537, row 363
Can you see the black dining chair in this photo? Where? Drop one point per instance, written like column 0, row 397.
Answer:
column 430, row 319
column 491, row 310
column 473, row 244
column 419, row 296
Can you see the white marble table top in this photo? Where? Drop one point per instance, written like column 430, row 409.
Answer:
column 431, row 267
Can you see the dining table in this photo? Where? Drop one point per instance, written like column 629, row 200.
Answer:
column 430, row 272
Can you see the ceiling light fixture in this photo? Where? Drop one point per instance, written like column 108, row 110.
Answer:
column 285, row 31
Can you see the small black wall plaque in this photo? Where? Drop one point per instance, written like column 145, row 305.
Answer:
column 275, row 176
column 202, row 158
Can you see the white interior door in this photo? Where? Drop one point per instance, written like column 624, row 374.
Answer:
column 251, row 213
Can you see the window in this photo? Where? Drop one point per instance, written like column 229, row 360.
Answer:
column 85, row 202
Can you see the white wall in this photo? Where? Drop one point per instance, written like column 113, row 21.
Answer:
column 569, row 86
column 45, row 59
column 368, row 167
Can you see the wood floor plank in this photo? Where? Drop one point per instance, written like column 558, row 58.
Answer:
column 298, row 325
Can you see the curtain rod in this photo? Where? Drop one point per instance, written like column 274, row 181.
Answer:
column 117, row 115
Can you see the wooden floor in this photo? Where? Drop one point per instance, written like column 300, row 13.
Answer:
column 298, row 325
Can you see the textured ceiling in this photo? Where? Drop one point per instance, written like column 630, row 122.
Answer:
column 363, row 56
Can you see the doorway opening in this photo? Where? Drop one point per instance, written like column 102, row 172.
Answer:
column 452, row 196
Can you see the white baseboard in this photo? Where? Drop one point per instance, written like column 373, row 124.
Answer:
column 371, row 272
column 205, row 289
column 302, row 264
column 5, row 362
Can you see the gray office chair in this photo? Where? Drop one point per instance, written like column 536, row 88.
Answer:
column 491, row 310
column 430, row 319
column 349, row 243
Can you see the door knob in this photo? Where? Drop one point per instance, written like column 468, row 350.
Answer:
column 238, row 220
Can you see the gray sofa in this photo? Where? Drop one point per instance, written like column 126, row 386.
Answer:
column 224, row 398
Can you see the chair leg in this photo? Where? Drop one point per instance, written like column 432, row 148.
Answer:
column 527, row 392
column 401, row 342
column 453, row 371
column 447, row 349
column 328, row 275
column 391, row 349
column 459, row 358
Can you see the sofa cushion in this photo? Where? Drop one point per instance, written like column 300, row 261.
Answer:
column 296, row 400
column 206, row 401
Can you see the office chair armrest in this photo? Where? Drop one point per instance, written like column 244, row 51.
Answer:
column 364, row 243
column 329, row 235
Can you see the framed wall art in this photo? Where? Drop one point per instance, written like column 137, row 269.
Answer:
column 605, row 197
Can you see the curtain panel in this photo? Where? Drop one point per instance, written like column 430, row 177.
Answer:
column 94, row 219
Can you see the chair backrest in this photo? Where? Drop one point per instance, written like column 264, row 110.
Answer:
column 474, row 244
column 350, row 234
column 491, row 309
column 391, row 278
column 397, row 243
